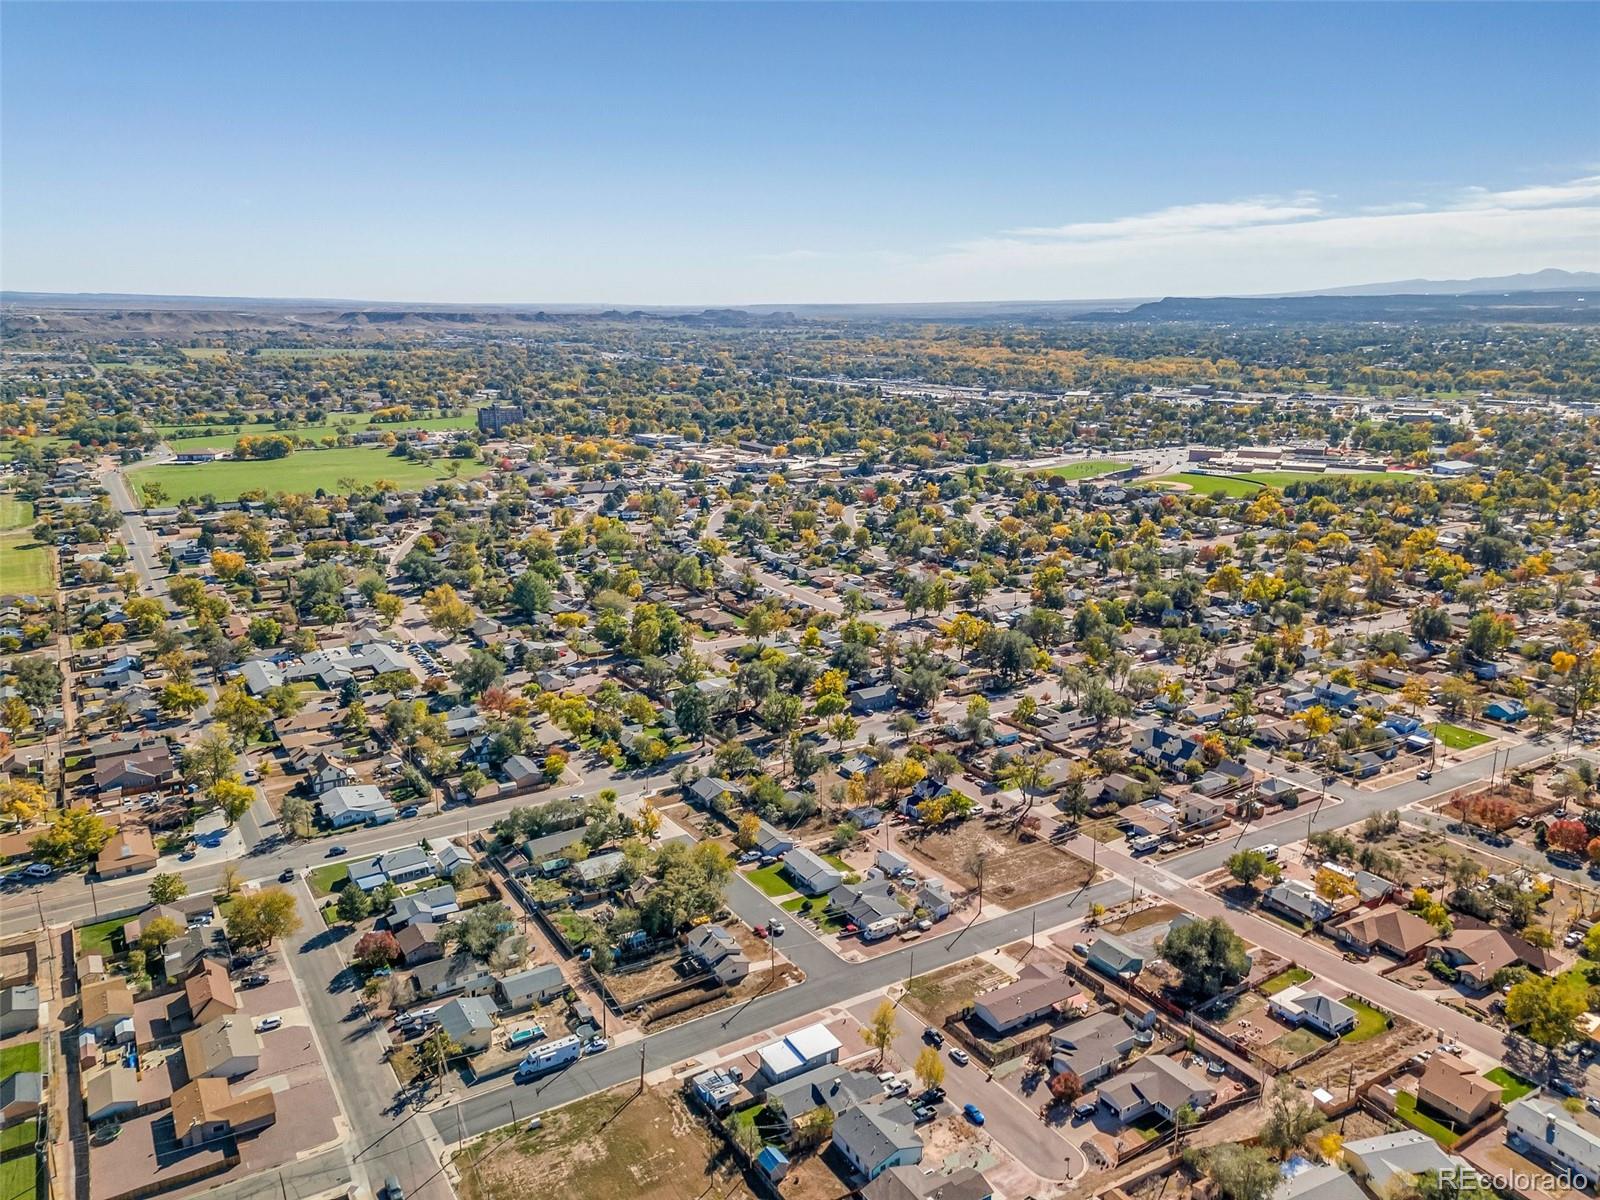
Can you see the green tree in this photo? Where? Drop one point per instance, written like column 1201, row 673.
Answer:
column 73, row 836
column 1547, row 1008
column 209, row 759
column 1239, row 1172
column 879, row 1032
column 256, row 919
column 354, row 904
column 1208, row 954
column 158, row 932
column 166, row 888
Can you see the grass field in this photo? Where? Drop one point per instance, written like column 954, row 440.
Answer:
column 1248, row 484
column 1512, row 1087
column 24, row 1056
column 19, row 1177
column 1086, row 470
column 1406, row 1105
column 25, row 565
column 227, row 435
column 97, row 938
column 302, row 472
column 328, row 878
column 1457, row 738
column 1285, row 979
column 1371, row 1022
column 770, row 881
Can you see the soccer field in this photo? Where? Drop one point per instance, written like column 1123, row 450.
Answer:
column 356, row 422
column 303, row 472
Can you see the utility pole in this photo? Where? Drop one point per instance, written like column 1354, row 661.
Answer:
column 641, row 1070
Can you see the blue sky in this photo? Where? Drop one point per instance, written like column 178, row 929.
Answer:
column 770, row 153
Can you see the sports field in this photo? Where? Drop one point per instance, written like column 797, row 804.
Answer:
column 1086, row 470
column 1250, row 483
column 303, row 472
column 25, row 565
column 227, row 435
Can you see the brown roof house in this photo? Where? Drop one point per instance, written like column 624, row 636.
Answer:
column 1393, row 930
column 143, row 770
column 1478, row 953
column 223, row 1049
column 104, row 1005
column 204, row 1111
column 130, row 850
column 210, row 992
column 1035, row 994
column 1455, row 1090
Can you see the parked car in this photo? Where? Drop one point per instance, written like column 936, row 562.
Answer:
column 1425, row 774
column 777, row 928
column 973, row 1113
column 337, row 851
column 923, row 1113
column 268, row 1024
column 392, row 1189
column 959, row 1057
column 748, row 857
column 409, row 810
column 38, row 870
column 596, row 1045
column 254, row 981
column 760, row 931
column 286, row 875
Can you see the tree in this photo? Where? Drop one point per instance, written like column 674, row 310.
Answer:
column 378, row 948
column 388, row 607
column 1065, row 1087
column 294, row 816
column 1290, row 1119
column 435, row 1052
column 232, row 797
column 1028, row 773
column 37, row 680
column 692, row 711
column 478, row 672
column 240, row 713
column 167, row 888
column 446, row 611
column 1334, row 885
column 179, row 699
column 1247, row 866
column 747, row 833
column 210, row 758
column 158, row 932
column 354, row 904
column 1209, row 956
column 21, row 800
column 73, row 835
column 879, row 1033
column 480, row 930
column 1239, row 1172
column 1547, row 1008
column 256, row 919
column 1571, row 836
column 929, row 1067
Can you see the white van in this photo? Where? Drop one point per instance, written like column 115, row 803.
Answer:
column 1271, row 851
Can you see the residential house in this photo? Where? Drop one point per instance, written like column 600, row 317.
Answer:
column 534, row 985
column 1298, row 899
column 355, row 804
column 709, row 791
column 468, row 1021
column 1392, row 1159
column 210, row 992
column 19, row 1010
column 827, row 1086
column 1546, row 1130
column 871, row 900
column 1390, row 929
column 143, row 770
column 1112, row 956
column 1158, row 1084
column 324, row 772
column 1034, row 995
column 874, row 1137
column 598, row 869
column 458, row 973
column 810, row 873
column 222, row 1049
column 408, row 864
column 772, row 842
column 714, row 949
column 1477, row 954
column 1091, row 1047
column 104, row 1006
column 21, row 1096
column 795, row 1053
column 876, row 699
column 1298, row 1006
column 205, row 1111
column 130, row 850
column 933, row 897
column 110, row 1092
column 420, row 942
column 912, row 1183
column 1456, row 1091
column 434, row 906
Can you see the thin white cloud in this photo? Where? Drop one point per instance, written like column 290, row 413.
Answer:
column 1576, row 191
column 1181, row 219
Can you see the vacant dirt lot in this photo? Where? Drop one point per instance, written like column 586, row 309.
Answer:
column 936, row 995
column 613, row 1144
column 1015, row 875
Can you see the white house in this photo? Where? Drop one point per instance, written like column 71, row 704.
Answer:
column 1298, row 1006
column 1550, row 1132
column 796, row 1052
column 356, row 804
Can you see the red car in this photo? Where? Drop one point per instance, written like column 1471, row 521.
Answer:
column 760, row 931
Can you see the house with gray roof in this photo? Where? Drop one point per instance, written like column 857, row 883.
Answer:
column 876, row 1136
column 1112, row 956
column 468, row 1021
column 1158, row 1084
column 1092, row 1047
column 535, row 985
column 829, row 1086
column 811, row 873
column 1296, row 1005
column 1393, row 1158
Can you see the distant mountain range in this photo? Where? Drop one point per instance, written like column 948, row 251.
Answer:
column 1551, row 279
column 1552, row 295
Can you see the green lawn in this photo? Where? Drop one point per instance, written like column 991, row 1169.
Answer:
column 1087, row 470
column 15, row 513
column 1513, row 1087
column 1300, row 1041
column 327, row 879
column 816, row 908
column 17, row 1136
column 24, row 1056
column 26, row 566
column 1406, row 1106
column 303, row 472
column 1281, row 479
column 19, row 1178
column 1457, row 738
column 1371, row 1024
column 1285, row 979
column 769, row 881
column 225, row 438
column 1214, row 485
column 102, row 937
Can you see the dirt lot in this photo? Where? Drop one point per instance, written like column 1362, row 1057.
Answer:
column 613, row 1144
column 934, row 996
column 1014, row 874
column 1333, row 1069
